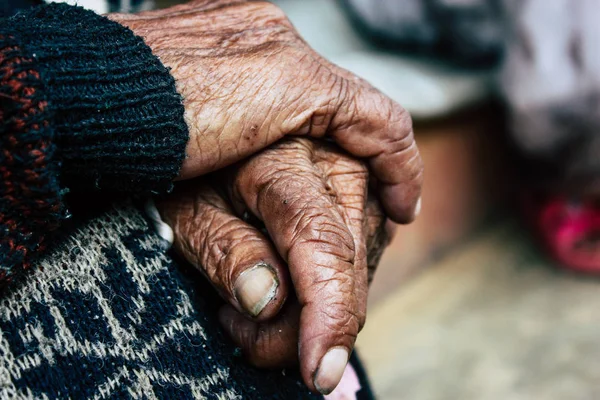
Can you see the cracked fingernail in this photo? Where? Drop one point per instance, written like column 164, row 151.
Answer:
column 255, row 287
column 331, row 369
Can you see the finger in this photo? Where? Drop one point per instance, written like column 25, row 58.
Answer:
column 380, row 232
column 311, row 235
column 238, row 260
column 269, row 344
column 391, row 125
column 349, row 180
column 367, row 124
column 370, row 125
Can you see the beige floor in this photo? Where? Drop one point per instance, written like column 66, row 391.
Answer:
column 490, row 321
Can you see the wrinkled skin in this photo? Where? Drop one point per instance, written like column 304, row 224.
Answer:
column 248, row 80
column 324, row 232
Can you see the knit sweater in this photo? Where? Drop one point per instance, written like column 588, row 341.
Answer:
column 107, row 314
column 84, row 105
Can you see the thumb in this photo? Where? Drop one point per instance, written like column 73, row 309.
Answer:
column 236, row 257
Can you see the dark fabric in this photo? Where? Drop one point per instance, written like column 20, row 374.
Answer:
column 107, row 314
column 84, row 105
column 365, row 392
column 10, row 7
column 467, row 34
column 119, row 120
column 30, row 195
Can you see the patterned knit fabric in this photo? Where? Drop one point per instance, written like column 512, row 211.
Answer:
column 108, row 315
column 84, row 104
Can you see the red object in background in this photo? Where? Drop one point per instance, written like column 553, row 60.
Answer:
column 569, row 230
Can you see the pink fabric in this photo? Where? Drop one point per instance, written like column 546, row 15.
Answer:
column 348, row 386
column 564, row 227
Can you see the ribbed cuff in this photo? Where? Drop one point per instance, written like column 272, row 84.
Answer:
column 118, row 119
column 30, row 194
column 84, row 104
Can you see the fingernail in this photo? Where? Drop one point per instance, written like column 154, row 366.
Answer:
column 331, row 369
column 418, row 207
column 255, row 287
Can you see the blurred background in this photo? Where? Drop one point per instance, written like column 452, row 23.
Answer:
column 483, row 296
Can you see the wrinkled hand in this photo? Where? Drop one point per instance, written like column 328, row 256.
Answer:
column 248, row 80
column 322, row 232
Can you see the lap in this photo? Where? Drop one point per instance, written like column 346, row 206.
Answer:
column 108, row 313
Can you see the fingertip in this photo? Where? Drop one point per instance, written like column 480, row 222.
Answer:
column 331, row 368
column 259, row 292
column 402, row 204
column 321, row 345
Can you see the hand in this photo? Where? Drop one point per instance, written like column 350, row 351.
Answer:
column 248, row 80
column 312, row 200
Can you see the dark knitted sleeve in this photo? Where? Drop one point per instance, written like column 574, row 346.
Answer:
column 84, row 104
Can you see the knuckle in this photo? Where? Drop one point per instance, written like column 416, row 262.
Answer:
column 400, row 136
column 275, row 185
column 339, row 89
column 262, row 348
column 227, row 249
column 403, row 119
column 272, row 14
column 327, row 235
column 413, row 166
column 397, row 118
column 288, row 185
column 404, row 149
column 339, row 164
column 274, row 11
column 357, row 167
column 219, row 243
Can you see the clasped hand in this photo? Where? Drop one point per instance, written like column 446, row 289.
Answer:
column 310, row 162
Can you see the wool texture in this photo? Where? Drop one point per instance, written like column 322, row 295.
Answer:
column 118, row 118
column 85, row 105
column 10, row 7
column 107, row 314
column 30, row 194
